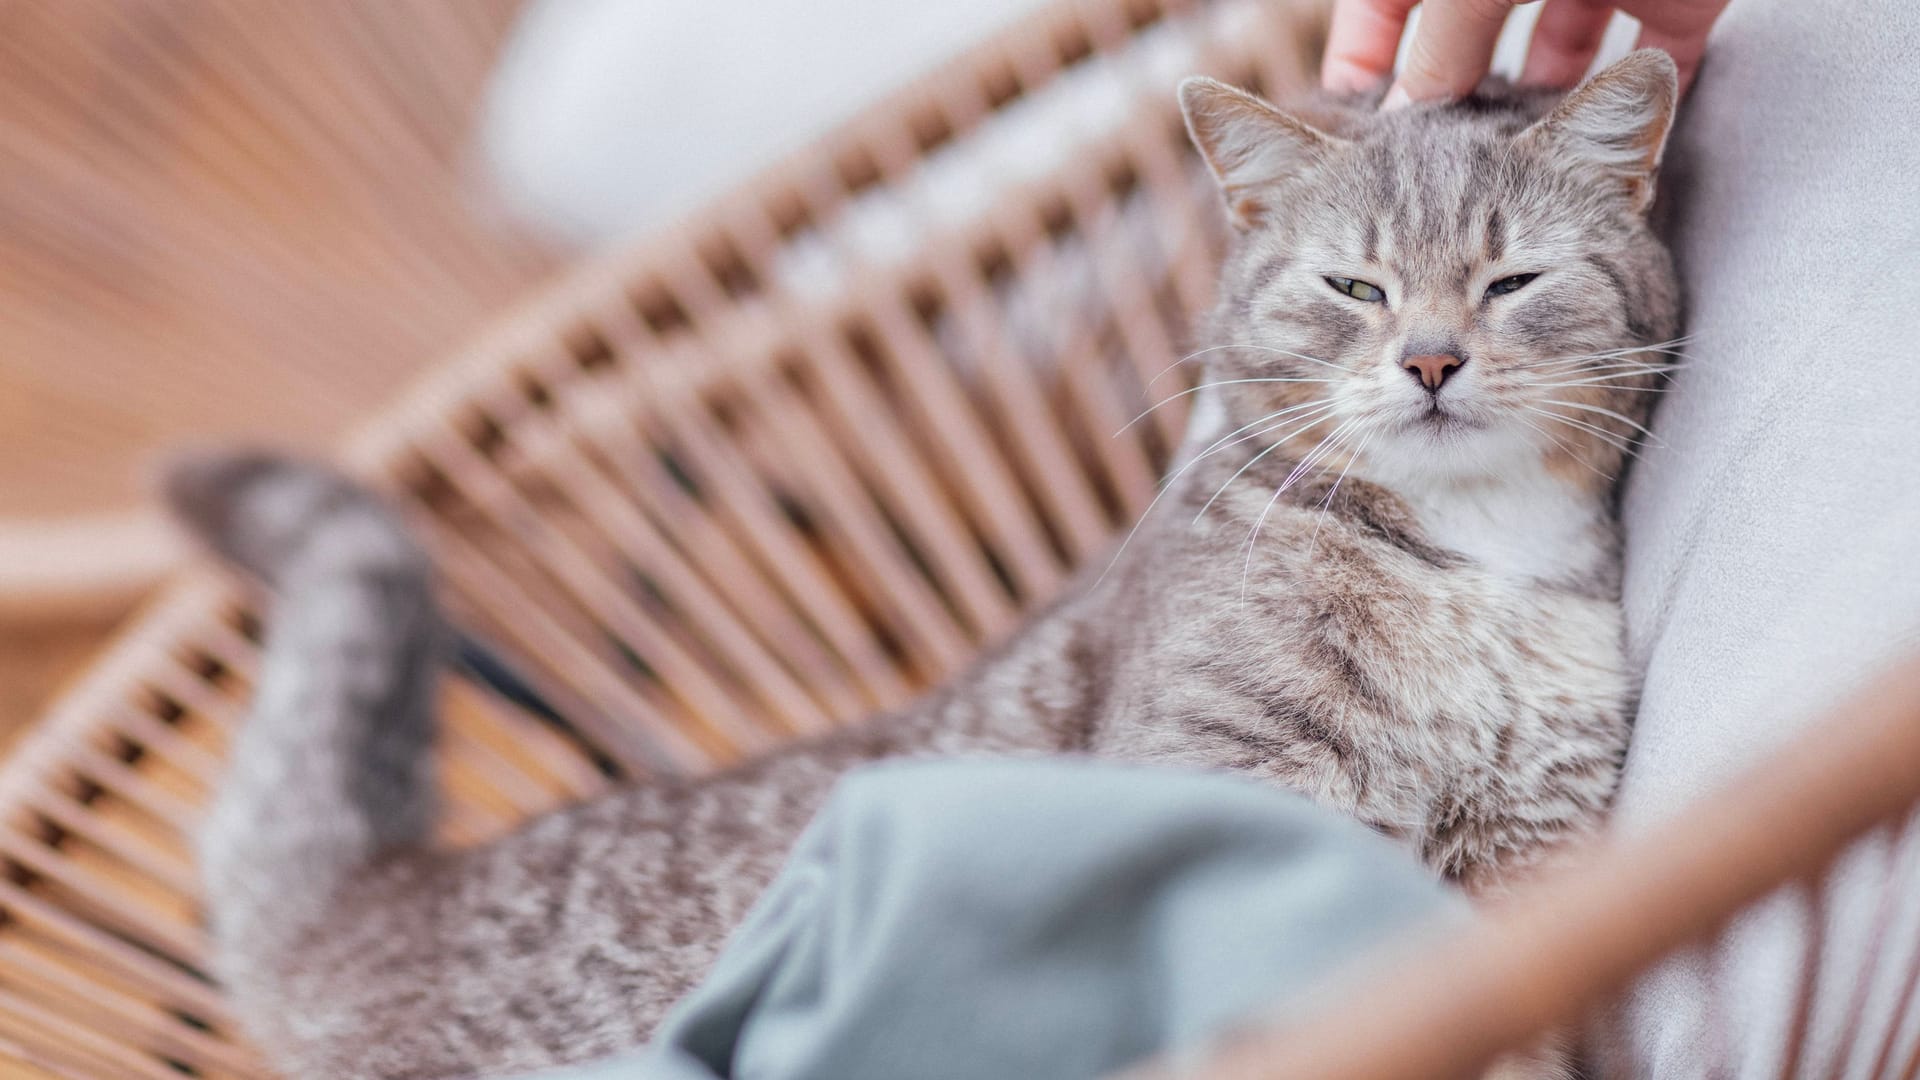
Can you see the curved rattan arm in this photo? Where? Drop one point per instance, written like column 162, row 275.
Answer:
column 83, row 568
column 1446, row 1008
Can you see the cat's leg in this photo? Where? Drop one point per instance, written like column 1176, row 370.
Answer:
column 349, row 947
column 1520, row 824
column 1544, row 796
column 564, row 941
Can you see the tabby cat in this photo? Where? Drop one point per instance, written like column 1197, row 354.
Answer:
column 1385, row 574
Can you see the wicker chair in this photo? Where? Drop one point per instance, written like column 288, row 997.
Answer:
column 749, row 480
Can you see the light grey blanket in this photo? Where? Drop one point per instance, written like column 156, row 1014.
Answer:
column 993, row 919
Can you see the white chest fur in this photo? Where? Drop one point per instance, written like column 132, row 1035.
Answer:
column 1532, row 527
column 1524, row 524
column 1535, row 532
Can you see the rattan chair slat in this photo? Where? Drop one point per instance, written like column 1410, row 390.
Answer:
column 957, row 439
column 71, row 817
column 128, row 1018
column 133, row 909
column 603, row 599
column 849, row 478
column 1908, row 978
column 92, row 946
column 596, row 505
column 141, row 729
column 508, row 604
column 680, row 544
column 139, row 786
column 66, row 1044
column 543, row 768
column 28, row 1058
column 736, row 513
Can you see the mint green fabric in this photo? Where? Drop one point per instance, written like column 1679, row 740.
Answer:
column 976, row 919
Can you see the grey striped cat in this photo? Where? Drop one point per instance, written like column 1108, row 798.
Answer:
column 1385, row 574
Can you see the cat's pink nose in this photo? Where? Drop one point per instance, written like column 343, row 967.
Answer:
column 1433, row 369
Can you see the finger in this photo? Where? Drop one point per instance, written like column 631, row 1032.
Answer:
column 1681, row 29
column 1362, row 42
column 1565, row 41
column 1452, row 49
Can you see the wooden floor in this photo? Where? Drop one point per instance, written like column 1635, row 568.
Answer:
column 220, row 220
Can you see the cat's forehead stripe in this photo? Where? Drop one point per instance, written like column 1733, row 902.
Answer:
column 1423, row 202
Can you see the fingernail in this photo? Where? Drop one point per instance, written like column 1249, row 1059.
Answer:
column 1396, row 98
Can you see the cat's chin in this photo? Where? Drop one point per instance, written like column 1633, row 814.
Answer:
column 1447, row 446
column 1439, row 422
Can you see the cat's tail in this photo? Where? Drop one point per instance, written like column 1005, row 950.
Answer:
column 330, row 770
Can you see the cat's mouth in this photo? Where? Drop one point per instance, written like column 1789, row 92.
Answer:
column 1438, row 419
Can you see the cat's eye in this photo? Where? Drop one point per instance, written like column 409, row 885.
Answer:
column 1359, row 290
column 1510, row 284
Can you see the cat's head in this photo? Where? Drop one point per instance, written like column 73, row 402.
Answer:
column 1444, row 288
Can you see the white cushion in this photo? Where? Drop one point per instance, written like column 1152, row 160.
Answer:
column 608, row 117
column 1774, row 540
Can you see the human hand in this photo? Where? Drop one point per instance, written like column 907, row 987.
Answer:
column 1453, row 45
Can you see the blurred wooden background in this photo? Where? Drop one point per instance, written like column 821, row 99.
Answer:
column 219, row 219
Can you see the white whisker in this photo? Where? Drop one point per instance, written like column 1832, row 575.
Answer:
column 1603, row 376
column 1612, row 438
column 1319, row 451
column 1167, row 485
column 1321, row 418
column 1196, row 389
column 1221, row 442
column 1197, row 353
column 1568, row 450
column 1663, row 347
column 1627, row 420
column 1299, row 356
column 1194, row 355
column 1623, row 363
column 1604, row 364
column 1327, row 503
column 1604, row 381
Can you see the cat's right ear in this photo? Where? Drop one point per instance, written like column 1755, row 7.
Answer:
column 1617, row 122
column 1250, row 145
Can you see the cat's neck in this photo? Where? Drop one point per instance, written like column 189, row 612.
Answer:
column 1522, row 518
column 1527, row 521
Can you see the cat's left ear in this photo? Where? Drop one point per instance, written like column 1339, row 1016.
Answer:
column 1250, row 145
column 1617, row 121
